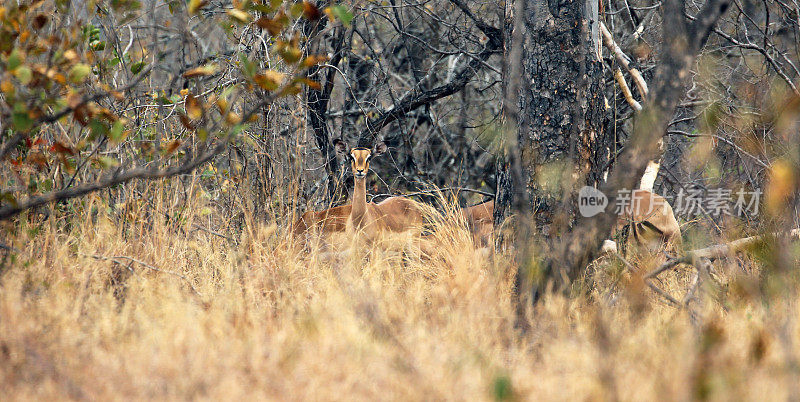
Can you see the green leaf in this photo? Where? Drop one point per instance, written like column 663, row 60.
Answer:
column 23, row 74
column 502, row 388
column 14, row 60
column 117, row 131
column 21, row 121
column 107, row 162
column 163, row 100
column 79, row 72
column 341, row 13
column 9, row 198
column 46, row 185
column 296, row 10
column 289, row 53
column 248, row 67
column 97, row 128
column 20, row 118
column 136, row 68
column 238, row 129
column 228, row 91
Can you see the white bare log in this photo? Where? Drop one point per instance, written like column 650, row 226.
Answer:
column 626, row 91
column 726, row 249
column 624, row 61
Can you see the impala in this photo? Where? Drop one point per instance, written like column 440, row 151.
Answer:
column 480, row 221
column 324, row 222
column 648, row 220
column 394, row 214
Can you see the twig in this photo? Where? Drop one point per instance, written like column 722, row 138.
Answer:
column 691, row 294
column 198, row 227
column 415, row 98
column 713, row 252
column 672, row 263
column 624, row 61
column 649, row 284
column 626, row 92
column 721, row 250
column 143, row 172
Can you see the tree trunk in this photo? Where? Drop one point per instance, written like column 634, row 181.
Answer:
column 560, row 137
column 561, row 141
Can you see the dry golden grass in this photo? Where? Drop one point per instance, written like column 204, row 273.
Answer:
column 258, row 318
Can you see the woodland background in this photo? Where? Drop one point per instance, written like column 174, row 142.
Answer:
column 154, row 154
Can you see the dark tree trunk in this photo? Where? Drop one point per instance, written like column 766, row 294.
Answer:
column 562, row 145
column 559, row 121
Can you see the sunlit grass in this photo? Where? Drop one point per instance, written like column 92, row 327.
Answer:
column 199, row 316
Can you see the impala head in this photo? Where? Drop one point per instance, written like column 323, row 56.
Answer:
column 359, row 157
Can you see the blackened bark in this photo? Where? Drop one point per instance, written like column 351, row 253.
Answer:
column 560, row 110
column 684, row 40
column 560, row 124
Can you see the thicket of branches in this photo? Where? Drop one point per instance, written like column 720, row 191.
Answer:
column 154, row 153
column 248, row 96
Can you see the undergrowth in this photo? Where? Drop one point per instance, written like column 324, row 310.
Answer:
column 105, row 304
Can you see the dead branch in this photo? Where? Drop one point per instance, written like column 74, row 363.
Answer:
column 671, row 263
column 415, row 98
column 726, row 249
column 716, row 251
column 647, row 281
column 626, row 92
column 437, row 190
column 624, row 61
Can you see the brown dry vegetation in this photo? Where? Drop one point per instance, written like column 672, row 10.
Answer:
column 258, row 318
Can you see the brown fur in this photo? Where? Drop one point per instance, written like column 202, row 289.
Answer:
column 331, row 220
column 395, row 214
column 649, row 221
column 480, row 220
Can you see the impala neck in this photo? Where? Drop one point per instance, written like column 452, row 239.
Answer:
column 359, row 210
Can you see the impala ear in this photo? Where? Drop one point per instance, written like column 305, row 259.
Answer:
column 379, row 148
column 341, row 147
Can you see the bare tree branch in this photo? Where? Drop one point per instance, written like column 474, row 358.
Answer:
column 626, row 91
column 415, row 98
column 624, row 61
